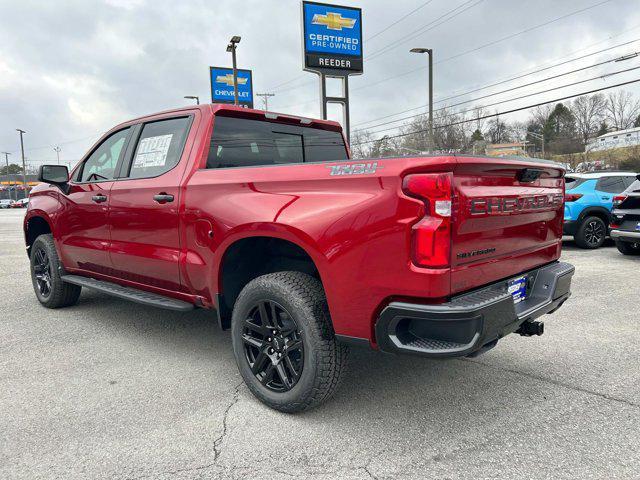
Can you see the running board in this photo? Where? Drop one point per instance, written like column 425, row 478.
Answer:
column 128, row 293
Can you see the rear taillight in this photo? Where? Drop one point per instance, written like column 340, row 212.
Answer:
column 618, row 199
column 572, row 197
column 431, row 236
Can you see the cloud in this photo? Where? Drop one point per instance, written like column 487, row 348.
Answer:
column 72, row 69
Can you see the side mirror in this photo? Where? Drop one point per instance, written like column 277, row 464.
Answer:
column 56, row 174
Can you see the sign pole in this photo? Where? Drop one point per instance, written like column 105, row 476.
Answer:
column 235, row 75
column 332, row 48
column 345, row 108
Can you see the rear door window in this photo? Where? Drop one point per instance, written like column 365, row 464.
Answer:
column 240, row 142
column 159, row 148
column 611, row 184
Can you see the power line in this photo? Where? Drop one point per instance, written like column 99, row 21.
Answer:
column 519, row 76
column 484, row 117
column 526, row 30
column 451, row 14
column 482, row 46
column 513, row 99
column 458, row 55
column 398, row 21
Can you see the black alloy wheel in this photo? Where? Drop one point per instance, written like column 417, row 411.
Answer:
column 42, row 272
column 273, row 346
column 594, row 233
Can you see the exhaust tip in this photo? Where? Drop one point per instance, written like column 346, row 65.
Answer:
column 529, row 329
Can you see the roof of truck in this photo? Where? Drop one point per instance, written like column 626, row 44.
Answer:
column 215, row 107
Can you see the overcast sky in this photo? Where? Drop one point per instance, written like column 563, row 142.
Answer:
column 69, row 70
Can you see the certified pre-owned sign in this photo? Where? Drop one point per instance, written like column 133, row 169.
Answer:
column 332, row 38
column 222, row 86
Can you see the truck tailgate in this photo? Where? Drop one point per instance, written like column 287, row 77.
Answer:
column 507, row 219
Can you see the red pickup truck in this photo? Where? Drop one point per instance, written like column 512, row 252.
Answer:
column 301, row 250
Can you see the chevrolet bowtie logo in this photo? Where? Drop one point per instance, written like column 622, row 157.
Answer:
column 228, row 79
column 333, row 21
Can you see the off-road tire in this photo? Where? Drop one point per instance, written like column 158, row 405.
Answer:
column 324, row 359
column 581, row 236
column 61, row 294
column 627, row 248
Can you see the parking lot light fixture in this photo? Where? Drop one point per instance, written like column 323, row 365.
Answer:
column 231, row 48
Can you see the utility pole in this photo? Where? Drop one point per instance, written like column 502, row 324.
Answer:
column 265, row 98
column 233, row 43
column 430, row 52
column 24, row 166
column 57, row 150
column 539, row 136
column 6, row 156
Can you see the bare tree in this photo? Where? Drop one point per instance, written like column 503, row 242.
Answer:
column 622, row 109
column 478, row 113
column 499, row 131
column 540, row 115
column 361, row 143
column 589, row 113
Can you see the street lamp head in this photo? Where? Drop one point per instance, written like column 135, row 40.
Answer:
column 230, row 47
column 420, row 50
column 235, row 39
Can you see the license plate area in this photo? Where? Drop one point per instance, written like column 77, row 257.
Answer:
column 517, row 287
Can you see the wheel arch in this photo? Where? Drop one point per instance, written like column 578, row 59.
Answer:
column 36, row 223
column 600, row 212
column 257, row 253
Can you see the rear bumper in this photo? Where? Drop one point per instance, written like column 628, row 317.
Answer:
column 472, row 321
column 625, row 235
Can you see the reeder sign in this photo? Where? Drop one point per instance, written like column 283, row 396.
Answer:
column 222, row 86
column 332, row 38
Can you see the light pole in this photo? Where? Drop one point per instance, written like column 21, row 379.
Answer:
column 539, row 136
column 430, row 52
column 6, row 157
column 193, row 97
column 233, row 44
column 24, row 166
column 265, row 98
column 57, row 150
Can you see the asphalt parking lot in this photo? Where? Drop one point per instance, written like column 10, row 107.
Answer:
column 110, row 389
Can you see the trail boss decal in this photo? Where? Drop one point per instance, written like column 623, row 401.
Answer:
column 354, row 168
column 506, row 205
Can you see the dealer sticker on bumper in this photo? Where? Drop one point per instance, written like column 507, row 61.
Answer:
column 518, row 289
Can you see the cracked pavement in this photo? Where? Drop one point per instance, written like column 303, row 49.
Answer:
column 110, row 389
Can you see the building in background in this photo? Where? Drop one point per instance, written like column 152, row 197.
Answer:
column 619, row 139
column 11, row 186
column 506, row 149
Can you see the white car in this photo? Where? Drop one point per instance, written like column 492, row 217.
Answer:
column 22, row 203
column 6, row 203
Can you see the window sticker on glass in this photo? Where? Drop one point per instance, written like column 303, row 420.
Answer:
column 152, row 151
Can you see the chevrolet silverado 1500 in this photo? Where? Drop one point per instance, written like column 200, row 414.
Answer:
column 301, row 250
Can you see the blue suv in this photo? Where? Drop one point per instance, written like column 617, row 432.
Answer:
column 588, row 202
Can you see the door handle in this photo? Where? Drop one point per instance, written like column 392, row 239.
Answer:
column 163, row 198
column 99, row 198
